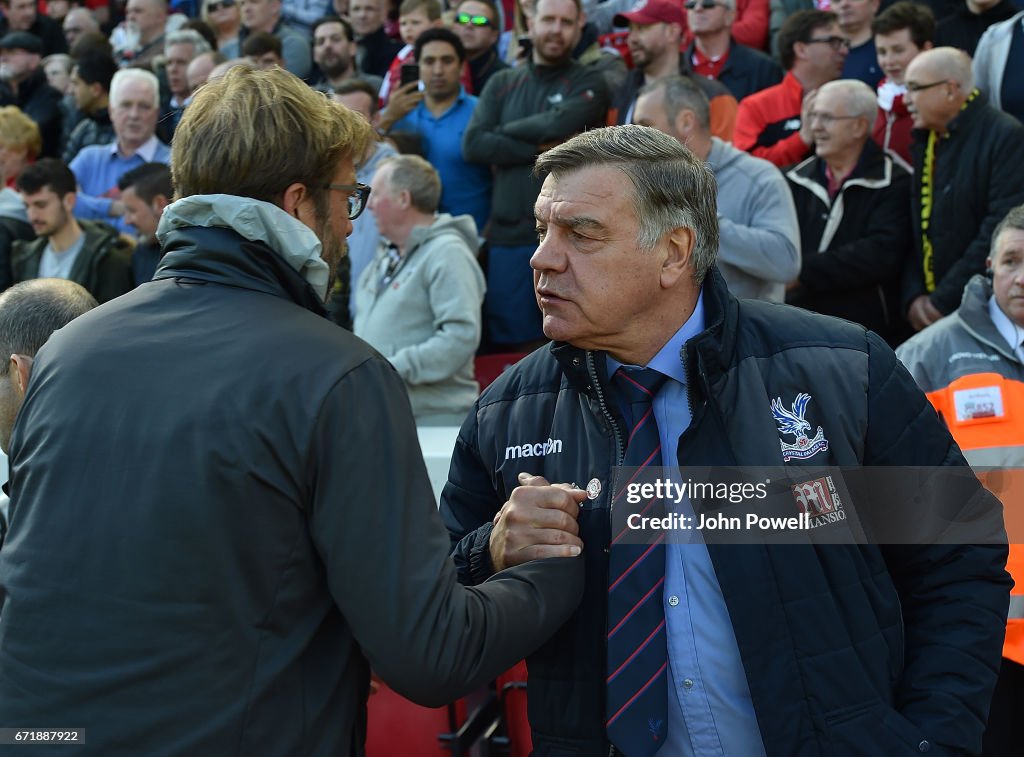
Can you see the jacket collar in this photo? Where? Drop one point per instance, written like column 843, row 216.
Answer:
column 257, row 221
column 973, row 314
column 873, row 171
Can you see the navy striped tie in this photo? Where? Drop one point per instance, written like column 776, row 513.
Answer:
column 637, row 684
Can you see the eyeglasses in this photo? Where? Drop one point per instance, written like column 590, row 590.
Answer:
column 358, row 194
column 705, row 4
column 836, row 43
column 214, row 7
column 827, row 119
column 464, row 19
column 913, row 87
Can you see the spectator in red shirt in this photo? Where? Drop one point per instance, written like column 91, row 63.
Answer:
column 772, row 124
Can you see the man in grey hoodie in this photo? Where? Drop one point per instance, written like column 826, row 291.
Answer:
column 760, row 237
column 419, row 302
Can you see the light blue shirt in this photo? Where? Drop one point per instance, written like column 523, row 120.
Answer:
column 710, row 712
column 465, row 187
column 97, row 169
column 1013, row 334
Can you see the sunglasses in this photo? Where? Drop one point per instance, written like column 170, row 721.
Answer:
column 357, row 196
column 214, row 7
column 464, row 19
column 705, row 4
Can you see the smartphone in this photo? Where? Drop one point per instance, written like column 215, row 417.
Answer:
column 525, row 46
column 409, row 72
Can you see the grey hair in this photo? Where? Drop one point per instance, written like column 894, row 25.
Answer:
column 859, row 99
column 682, row 93
column 188, row 37
column 413, row 174
column 126, row 75
column 1012, row 220
column 34, row 309
column 672, row 188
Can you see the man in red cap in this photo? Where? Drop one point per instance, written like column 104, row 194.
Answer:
column 656, row 29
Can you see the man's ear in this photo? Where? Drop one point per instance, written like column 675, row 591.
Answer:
column 294, row 198
column 159, row 203
column 678, row 263
column 21, row 367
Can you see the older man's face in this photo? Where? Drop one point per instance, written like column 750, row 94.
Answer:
column 931, row 96
column 592, row 280
column 1008, row 274
column 134, row 114
column 836, row 133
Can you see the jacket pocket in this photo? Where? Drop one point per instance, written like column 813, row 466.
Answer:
column 873, row 729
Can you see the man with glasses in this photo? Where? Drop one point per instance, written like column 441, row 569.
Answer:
column 773, row 124
column 851, row 199
column 476, row 23
column 714, row 53
column 244, row 519
column 967, row 158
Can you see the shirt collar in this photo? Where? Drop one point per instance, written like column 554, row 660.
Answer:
column 147, row 151
column 1013, row 335
column 668, row 360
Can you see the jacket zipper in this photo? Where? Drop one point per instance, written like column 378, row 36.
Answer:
column 619, row 457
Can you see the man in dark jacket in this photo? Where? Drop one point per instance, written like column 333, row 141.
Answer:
column 23, row 83
column 967, row 157
column 851, row 200
column 88, row 252
column 24, row 16
column 803, row 648
column 522, row 112
column 244, row 517
column 714, row 54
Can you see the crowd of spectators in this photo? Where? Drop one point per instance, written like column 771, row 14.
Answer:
column 864, row 149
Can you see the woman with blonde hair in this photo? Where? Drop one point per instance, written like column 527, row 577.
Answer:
column 20, row 143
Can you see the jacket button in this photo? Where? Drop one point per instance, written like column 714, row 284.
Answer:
column 673, row 601
column 576, row 362
column 924, row 746
column 688, row 683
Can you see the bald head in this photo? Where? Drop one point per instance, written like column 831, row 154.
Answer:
column 29, row 313
column 946, row 63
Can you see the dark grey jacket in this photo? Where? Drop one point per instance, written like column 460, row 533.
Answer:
column 848, row 650
column 221, row 520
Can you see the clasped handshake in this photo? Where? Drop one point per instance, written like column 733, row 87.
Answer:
column 539, row 520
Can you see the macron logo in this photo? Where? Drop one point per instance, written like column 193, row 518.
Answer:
column 550, row 447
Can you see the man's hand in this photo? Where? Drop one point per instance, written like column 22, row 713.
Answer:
column 400, row 104
column 922, row 312
column 805, row 117
column 539, row 520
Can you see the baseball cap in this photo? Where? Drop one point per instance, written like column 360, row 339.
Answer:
column 653, row 12
column 21, row 41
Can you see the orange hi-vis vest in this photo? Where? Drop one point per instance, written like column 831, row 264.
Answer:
column 985, row 414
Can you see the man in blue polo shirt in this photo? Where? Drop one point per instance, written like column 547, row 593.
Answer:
column 439, row 116
column 134, row 108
